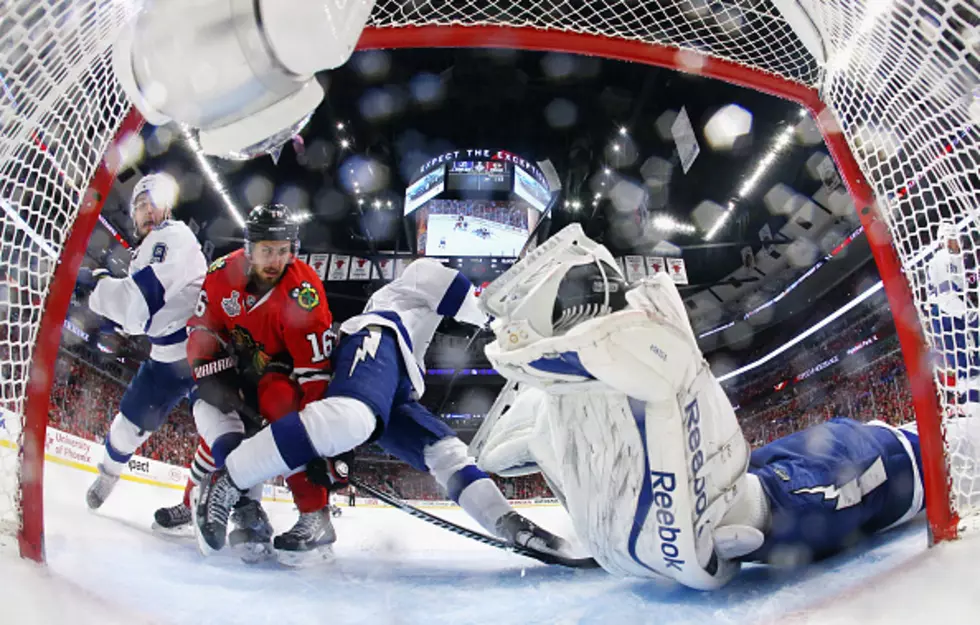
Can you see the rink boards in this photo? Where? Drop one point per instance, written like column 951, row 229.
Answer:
column 84, row 455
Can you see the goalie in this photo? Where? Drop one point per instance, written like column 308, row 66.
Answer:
column 611, row 399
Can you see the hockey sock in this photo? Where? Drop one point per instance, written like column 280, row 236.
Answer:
column 449, row 461
column 307, row 496
column 224, row 445
column 480, row 498
column 121, row 442
column 201, row 467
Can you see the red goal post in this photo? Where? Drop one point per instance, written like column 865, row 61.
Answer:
column 888, row 83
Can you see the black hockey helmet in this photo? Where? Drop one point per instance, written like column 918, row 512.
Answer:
column 585, row 292
column 271, row 222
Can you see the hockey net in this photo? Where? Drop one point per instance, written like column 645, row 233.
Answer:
column 60, row 109
column 893, row 85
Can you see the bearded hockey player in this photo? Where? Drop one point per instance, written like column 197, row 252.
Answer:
column 374, row 395
column 615, row 405
column 261, row 338
column 155, row 299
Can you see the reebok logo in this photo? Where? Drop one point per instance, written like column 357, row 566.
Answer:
column 664, row 484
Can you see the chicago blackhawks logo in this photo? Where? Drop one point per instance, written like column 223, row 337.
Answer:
column 306, row 296
column 251, row 354
column 216, row 265
column 231, row 304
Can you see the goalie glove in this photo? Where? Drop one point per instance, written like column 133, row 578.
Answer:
column 331, row 473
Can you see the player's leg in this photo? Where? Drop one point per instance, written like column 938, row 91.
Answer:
column 416, row 436
column 368, row 375
column 222, row 432
column 176, row 519
column 830, row 485
column 153, row 393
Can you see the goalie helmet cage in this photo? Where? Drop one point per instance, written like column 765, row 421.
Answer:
column 892, row 86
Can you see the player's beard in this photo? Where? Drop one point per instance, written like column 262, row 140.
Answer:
column 265, row 279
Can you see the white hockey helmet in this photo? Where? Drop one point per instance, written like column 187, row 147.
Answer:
column 947, row 230
column 162, row 189
column 568, row 279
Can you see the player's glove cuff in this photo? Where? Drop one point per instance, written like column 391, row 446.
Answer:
column 331, row 473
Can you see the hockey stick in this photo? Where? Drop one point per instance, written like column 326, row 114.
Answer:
column 575, row 563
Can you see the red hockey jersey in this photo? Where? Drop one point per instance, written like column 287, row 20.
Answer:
column 291, row 323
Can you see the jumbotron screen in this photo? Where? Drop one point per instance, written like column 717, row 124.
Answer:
column 474, row 227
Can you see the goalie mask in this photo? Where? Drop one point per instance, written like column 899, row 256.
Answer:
column 565, row 281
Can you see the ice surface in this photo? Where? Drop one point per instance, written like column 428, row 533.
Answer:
column 107, row 567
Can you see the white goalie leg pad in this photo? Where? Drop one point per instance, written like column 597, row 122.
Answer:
column 502, row 446
column 123, row 440
column 212, row 424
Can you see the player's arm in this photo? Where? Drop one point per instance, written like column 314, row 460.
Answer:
column 175, row 261
column 213, row 365
column 307, row 331
column 444, row 290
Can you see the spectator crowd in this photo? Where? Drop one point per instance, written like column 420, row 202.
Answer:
column 865, row 379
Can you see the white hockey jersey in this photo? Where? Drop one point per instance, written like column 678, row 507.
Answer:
column 947, row 281
column 160, row 292
column 414, row 305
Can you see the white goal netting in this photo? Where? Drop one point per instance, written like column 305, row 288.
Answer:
column 899, row 78
column 59, row 109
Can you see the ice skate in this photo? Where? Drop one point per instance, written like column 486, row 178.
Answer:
column 211, row 504
column 99, row 491
column 174, row 521
column 252, row 536
column 309, row 541
column 522, row 531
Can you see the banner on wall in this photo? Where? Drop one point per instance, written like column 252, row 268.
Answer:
column 655, row 265
column 360, row 268
column 387, row 267
column 635, row 269
column 319, row 263
column 400, row 264
column 339, row 266
column 677, row 270
column 303, row 257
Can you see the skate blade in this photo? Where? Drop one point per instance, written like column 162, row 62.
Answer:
column 254, row 553
column 305, row 559
column 181, row 531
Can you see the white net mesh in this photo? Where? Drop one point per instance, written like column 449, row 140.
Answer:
column 900, row 77
column 59, row 108
column 904, row 82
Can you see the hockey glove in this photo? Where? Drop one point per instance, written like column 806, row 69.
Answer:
column 331, row 473
column 217, row 383
column 88, row 279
